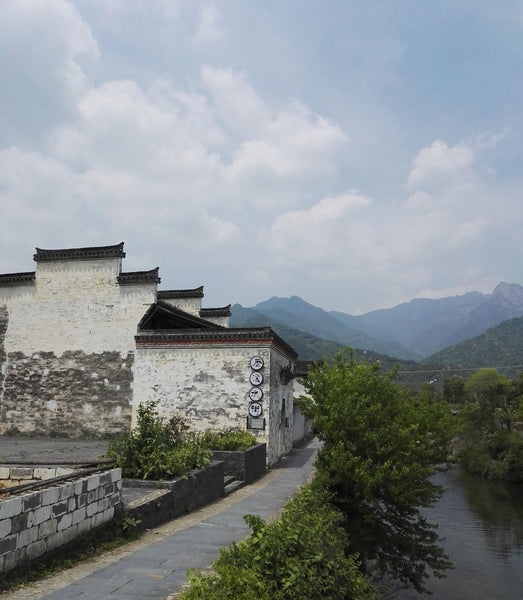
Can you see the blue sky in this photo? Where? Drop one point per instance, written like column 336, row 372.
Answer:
column 357, row 154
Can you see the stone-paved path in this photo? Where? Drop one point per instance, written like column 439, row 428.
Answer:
column 156, row 565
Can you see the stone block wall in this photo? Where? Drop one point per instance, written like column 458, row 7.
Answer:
column 246, row 465
column 39, row 522
column 12, row 476
column 3, row 329
column 199, row 488
column 72, row 395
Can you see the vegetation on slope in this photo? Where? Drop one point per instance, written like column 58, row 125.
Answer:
column 499, row 346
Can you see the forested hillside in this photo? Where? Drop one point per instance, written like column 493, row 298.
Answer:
column 500, row 347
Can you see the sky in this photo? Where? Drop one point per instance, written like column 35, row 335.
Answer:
column 357, row 154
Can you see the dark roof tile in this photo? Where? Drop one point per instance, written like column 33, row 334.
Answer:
column 206, row 313
column 139, row 277
column 93, row 252
column 17, row 278
column 171, row 294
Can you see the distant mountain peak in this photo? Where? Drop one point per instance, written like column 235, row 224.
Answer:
column 508, row 290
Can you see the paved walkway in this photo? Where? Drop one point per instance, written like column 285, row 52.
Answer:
column 156, row 565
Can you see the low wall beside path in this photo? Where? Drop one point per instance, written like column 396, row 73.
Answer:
column 175, row 497
column 245, row 465
column 39, row 518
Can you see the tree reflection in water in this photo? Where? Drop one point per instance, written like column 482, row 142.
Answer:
column 499, row 507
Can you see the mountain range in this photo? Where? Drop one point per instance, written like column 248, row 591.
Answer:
column 419, row 330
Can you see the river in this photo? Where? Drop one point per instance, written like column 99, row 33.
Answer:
column 482, row 523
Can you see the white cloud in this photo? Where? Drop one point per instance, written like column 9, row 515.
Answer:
column 210, row 26
column 42, row 80
column 440, row 164
column 217, row 134
column 295, row 145
column 319, row 234
column 234, row 101
column 221, row 231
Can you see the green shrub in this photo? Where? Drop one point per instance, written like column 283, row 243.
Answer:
column 498, row 456
column 302, row 555
column 158, row 448
column 229, row 439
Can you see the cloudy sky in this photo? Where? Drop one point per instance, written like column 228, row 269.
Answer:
column 357, row 154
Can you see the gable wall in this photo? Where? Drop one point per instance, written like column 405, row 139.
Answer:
column 210, row 387
column 188, row 305
column 69, row 350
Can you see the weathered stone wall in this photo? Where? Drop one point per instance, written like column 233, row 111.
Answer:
column 75, row 305
column 210, row 386
column 191, row 305
column 3, row 358
column 280, row 409
column 13, row 476
column 67, row 350
column 36, row 523
column 74, row 395
column 187, row 493
column 246, row 465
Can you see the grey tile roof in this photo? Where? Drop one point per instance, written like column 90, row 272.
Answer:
column 93, row 252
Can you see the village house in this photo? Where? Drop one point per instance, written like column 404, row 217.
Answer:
column 83, row 343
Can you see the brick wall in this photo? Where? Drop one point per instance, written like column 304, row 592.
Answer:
column 39, row 522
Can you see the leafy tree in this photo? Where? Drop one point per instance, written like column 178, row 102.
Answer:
column 494, row 406
column 491, row 448
column 454, row 390
column 380, row 446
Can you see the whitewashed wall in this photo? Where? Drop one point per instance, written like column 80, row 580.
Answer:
column 210, row 386
column 68, row 349
column 189, row 305
column 75, row 305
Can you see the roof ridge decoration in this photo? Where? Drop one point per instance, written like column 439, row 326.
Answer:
column 132, row 277
column 92, row 252
column 17, row 278
column 189, row 293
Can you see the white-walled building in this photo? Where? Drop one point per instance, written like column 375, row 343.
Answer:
column 83, row 343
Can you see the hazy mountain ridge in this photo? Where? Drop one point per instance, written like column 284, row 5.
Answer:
column 299, row 314
column 310, row 347
column 410, row 331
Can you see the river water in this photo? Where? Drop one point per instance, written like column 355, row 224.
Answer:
column 482, row 523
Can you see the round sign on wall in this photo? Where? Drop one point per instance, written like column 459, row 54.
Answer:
column 255, row 409
column 256, row 363
column 255, row 394
column 256, row 378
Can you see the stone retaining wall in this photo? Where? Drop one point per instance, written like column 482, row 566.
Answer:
column 246, row 465
column 12, row 476
column 39, row 522
column 182, row 495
